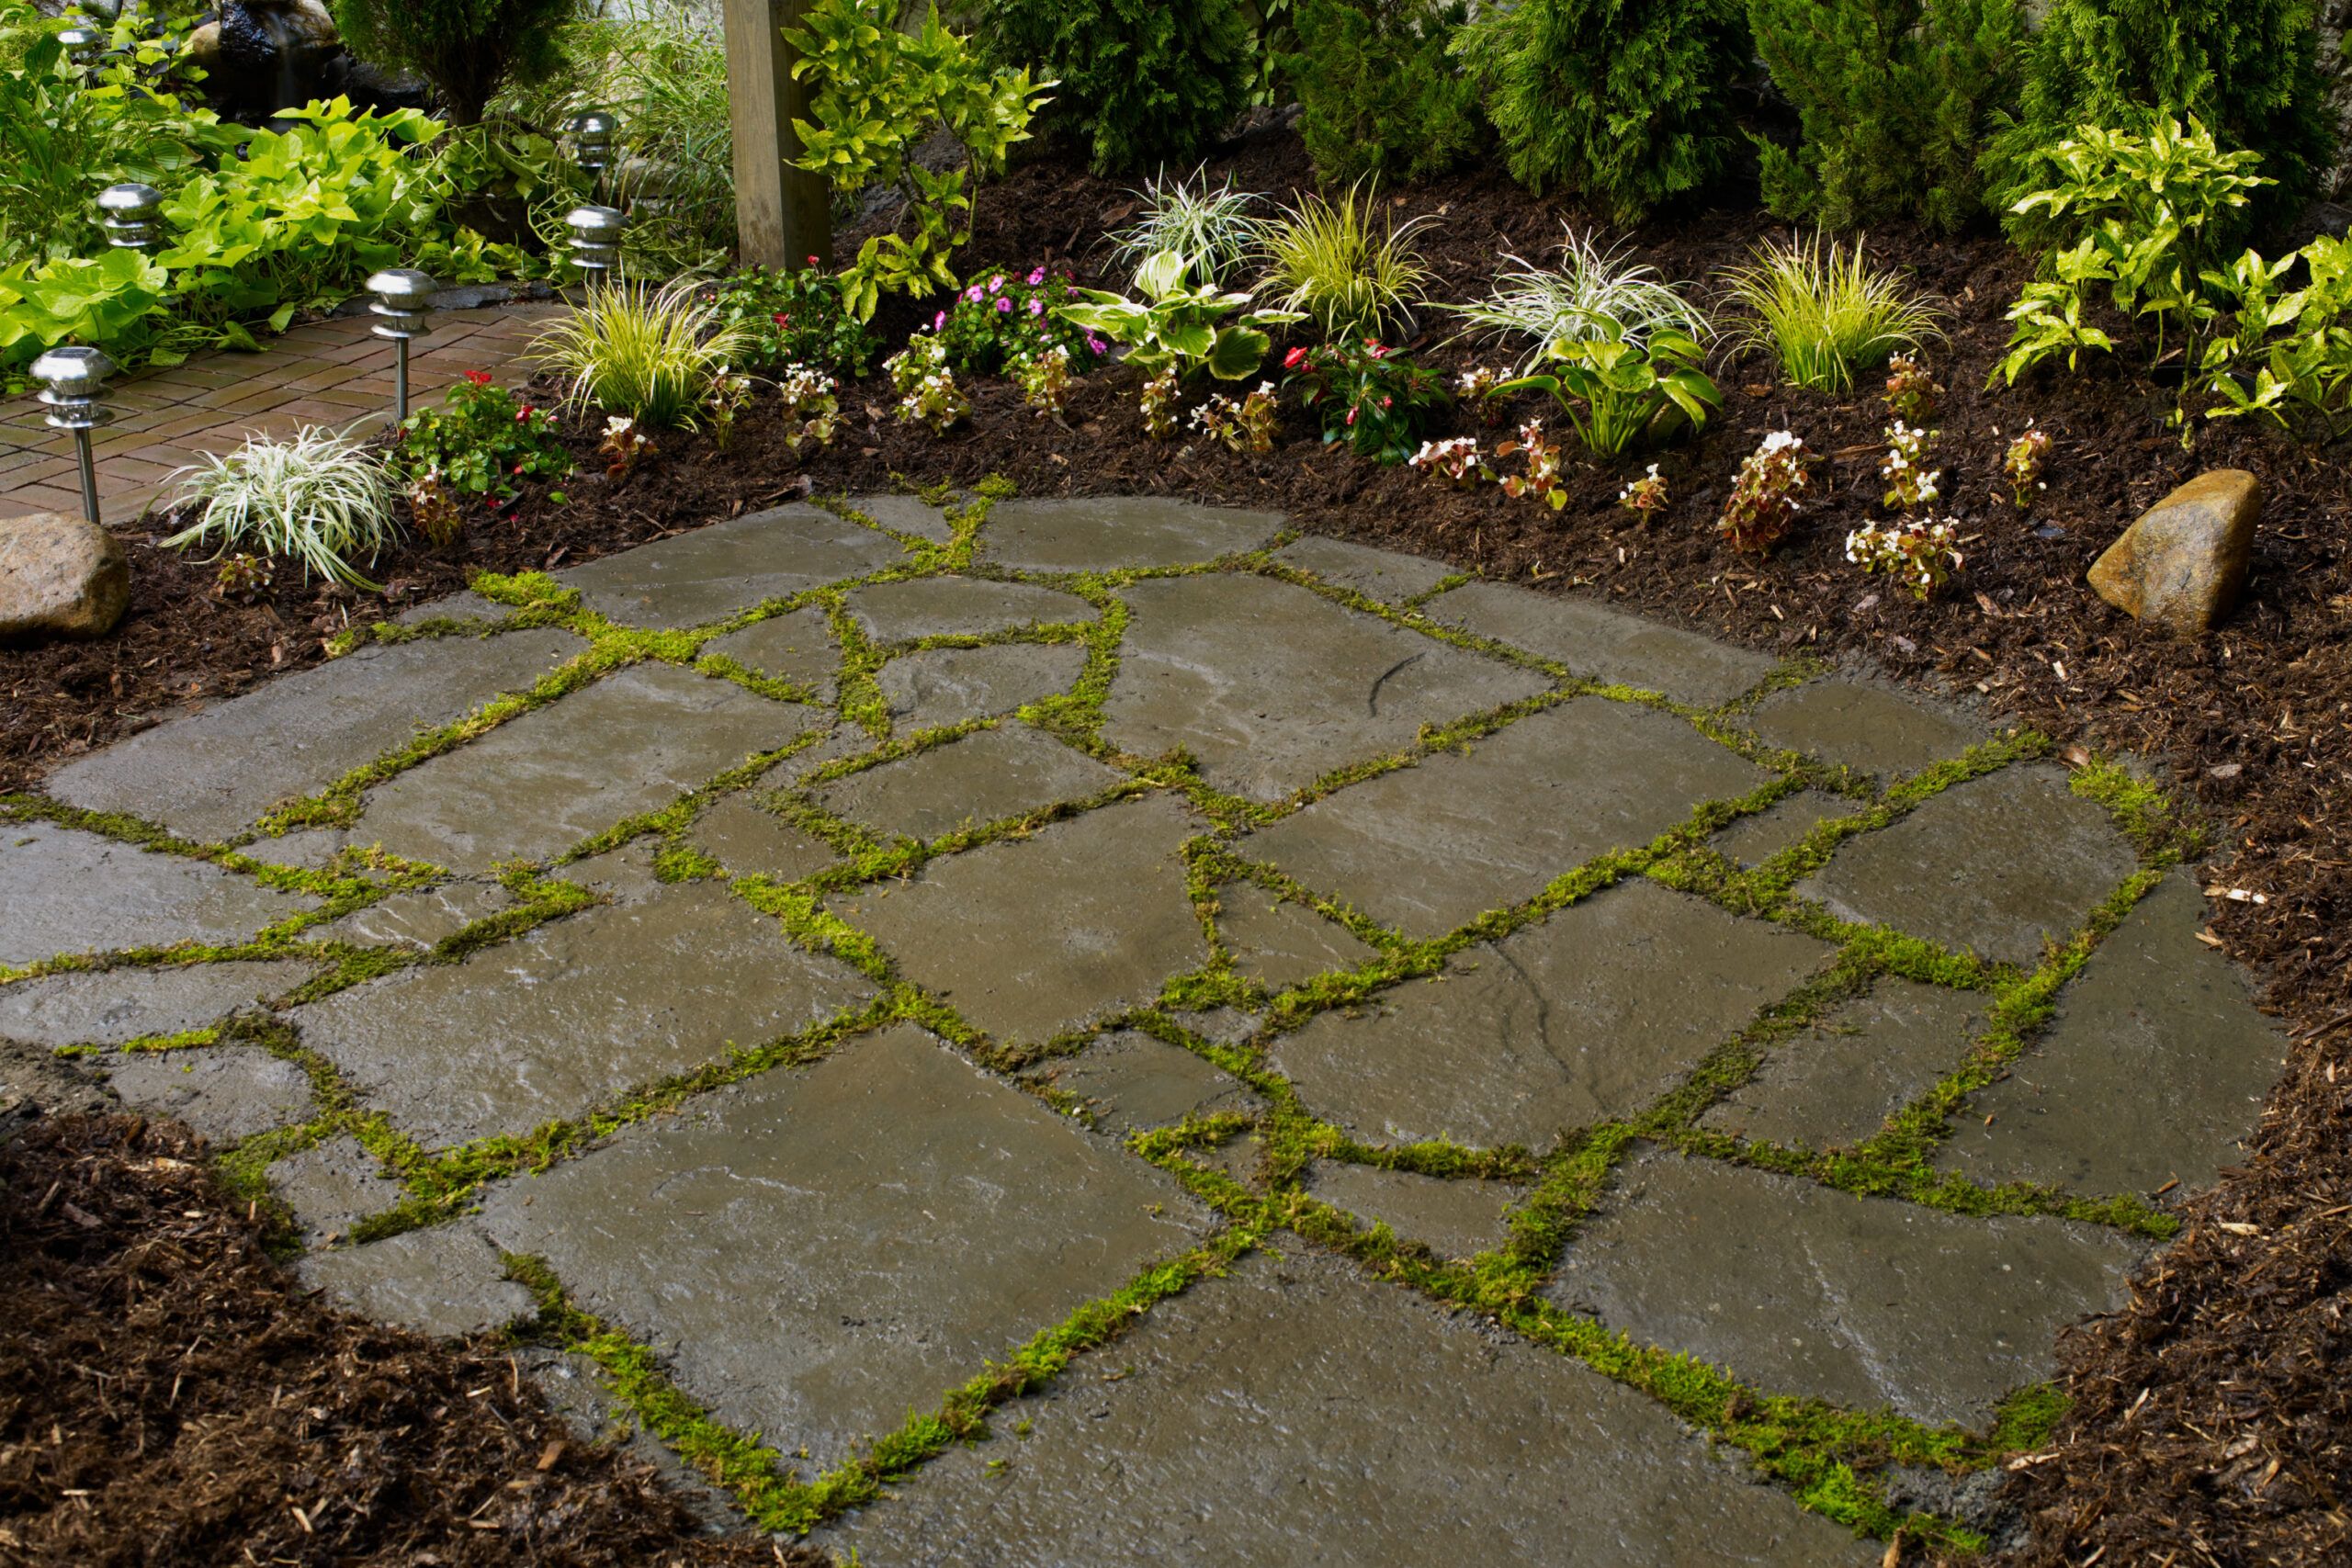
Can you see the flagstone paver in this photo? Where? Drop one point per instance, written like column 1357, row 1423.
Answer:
column 1813, row 1291
column 831, row 1059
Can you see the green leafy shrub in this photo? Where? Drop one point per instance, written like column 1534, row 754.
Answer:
column 880, row 93
column 1894, row 97
column 1212, row 225
column 316, row 497
column 2288, row 354
column 1370, row 397
column 1377, row 96
column 118, row 300
column 1143, row 83
column 483, row 440
column 466, row 49
column 1325, row 261
column 1616, row 394
column 1178, row 327
column 797, row 317
column 2245, row 68
column 1004, row 318
column 646, row 356
column 1826, row 313
column 1620, row 101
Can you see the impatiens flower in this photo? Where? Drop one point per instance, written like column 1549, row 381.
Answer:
column 1036, row 307
column 812, row 261
column 939, row 320
column 1096, row 345
column 1003, row 306
column 479, row 377
column 973, row 294
column 1295, row 358
column 780, row 318
column 1037, row 277
column 996, row 283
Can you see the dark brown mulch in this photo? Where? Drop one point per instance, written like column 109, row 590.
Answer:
column 168, row 1396
column 2229, row 1332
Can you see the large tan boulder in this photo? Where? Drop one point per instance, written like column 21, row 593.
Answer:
column 2183, row 564
column 60, row 576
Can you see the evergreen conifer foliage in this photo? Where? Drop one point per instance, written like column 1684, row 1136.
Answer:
column 1146, row 84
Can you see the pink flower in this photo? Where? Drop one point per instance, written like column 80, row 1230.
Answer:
column 1388, row 402
column 973, row 294
column 1036, row 307
column 780, row 318
column 996, row 283
column 1352, row 416
column 1003, row 306
column 1095, row 345
column 1037, row 277
column 813, row 262
column 939, row 320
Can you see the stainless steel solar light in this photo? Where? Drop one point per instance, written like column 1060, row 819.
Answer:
column 593, row 134
column 596, row 242
column 73, row 384
column 129, row 213
column 402, row 294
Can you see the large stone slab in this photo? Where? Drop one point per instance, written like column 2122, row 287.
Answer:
column 226, row 1092
column 1866, row 1301
column 332, row 1185
column 66, row 891
column 1836, row 1084
column 797, row 647
column 1130, row 1081
column 819, row 1253
column 210, row 773
column 1998, row 866
column 572, row 1014
column 947, row 685
column 1295, row 1413
column 1031, row 936
column 1427, row 847
column 1280, row 945
column 2155, row 1071
column 107, row 1007
column 1104, row 533
column 981, row 778
column 1390, row 576
column 1455, row 1219
column 1752, row 840
column 421, row 920
column 1271, row 686
column 907, row 514
column 1602, row 644
column 961, row 606
column 1865, row 725
column 446, row 1282
column 752, row 841
column 713, row 572
column 538, row 785
column 1590, row 1015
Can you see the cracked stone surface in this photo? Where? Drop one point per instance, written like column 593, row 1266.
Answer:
column 1296, row 1413
column 947, row 685
column 996, row 773
column 1589, row 1015
column 1031, row 936
column 1271, row 686
column 575, row 1013
column 2155, row 1071
column 713, row 572
column 827, row 1152
column 935, row 1216
column 1601, row 644
column 1997, row 866
column 210, row 773
column 1810, row 1291
column 1427, row 847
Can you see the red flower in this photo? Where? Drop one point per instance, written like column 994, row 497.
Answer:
column 782, row 320
column 479, row 377
column 1294, row 359
column 812, row 261
column 1352, row 416
column 1388, row 402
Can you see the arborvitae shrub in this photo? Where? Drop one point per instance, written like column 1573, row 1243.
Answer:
column 1144, row 83
column 1621, row 101
column 1894, row 97
column 467, row 48
column 2248, row 69
column 1377, row 93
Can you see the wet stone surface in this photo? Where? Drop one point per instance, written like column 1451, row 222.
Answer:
column 829, row 1153
column 1810, row 1291
column 907, row 514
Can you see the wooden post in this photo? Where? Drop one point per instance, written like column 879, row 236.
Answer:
column 783, row 215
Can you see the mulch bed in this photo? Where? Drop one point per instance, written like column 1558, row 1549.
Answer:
column 172, row 1398
column 2204, row 1421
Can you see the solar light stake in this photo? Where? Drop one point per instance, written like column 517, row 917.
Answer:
column 128, row 214
column 73, row 380
column 402, row 295
column 592, row 141
column 596, row 242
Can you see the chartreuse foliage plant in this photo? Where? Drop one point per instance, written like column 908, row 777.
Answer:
column 1177, row 326
column 316, row 497
column 1328, row 261
column 1623, row 102
column 881, row 91
column 1143, row 83
column 1213, row 226
column 1591, row 291
column 648, row 355
column 1894, row 97
column 2245, row 68
column 1377, row 96
column 2287, row 356
column 1826, row 313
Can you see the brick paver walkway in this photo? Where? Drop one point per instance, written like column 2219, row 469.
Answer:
column 1296, row 1056
column 331, row 373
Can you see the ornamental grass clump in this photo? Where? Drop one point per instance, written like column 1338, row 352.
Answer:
column 1325, row 260
column 646, row 354
column 1215, row 228
column 1763, row 505
column 1592, row 293
column 1826, row 313
column 314, row 497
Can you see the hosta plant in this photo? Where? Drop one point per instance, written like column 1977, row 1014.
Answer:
column 2287, row 355
column 1177, row 324
column 1920, row 553
column 811, row 407
column 1911, row 485
column 1369, row 396
column 1617, row 393
column 483, row 441
column 1764, row 504
column 314, row 497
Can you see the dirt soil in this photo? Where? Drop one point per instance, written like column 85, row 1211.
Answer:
column 2205, row 1425
column 172, row 1398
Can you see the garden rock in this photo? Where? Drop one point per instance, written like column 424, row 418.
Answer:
column 60, row 576
column 2183, row 564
